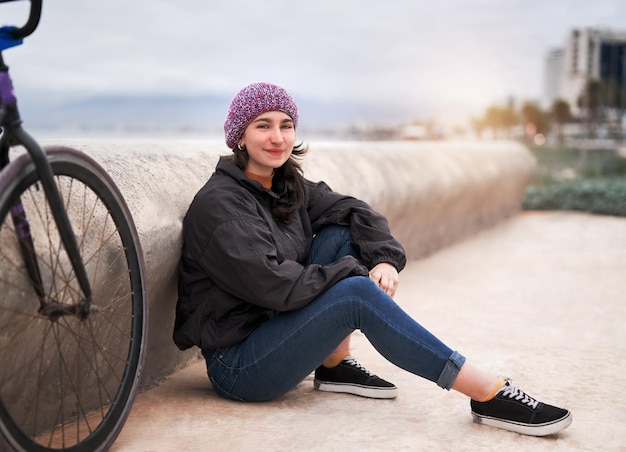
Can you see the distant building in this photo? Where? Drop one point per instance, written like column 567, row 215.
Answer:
column 552, row 77
column 589, row 53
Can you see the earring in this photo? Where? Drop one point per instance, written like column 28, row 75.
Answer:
column 240, row 147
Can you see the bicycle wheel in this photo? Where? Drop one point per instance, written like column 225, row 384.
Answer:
column 66, row 382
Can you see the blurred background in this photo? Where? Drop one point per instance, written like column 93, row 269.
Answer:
column 549, row 74
column 394, row 69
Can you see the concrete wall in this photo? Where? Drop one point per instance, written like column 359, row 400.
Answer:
column 433, row 193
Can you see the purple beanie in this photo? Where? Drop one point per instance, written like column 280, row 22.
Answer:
column 252, row 101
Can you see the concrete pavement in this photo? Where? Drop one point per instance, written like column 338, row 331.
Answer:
column 540, row 298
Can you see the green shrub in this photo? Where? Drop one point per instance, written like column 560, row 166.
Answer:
column 571, row 179
column 601, row 196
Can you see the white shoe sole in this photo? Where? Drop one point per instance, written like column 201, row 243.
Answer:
column 363, row 391
column 549, row 428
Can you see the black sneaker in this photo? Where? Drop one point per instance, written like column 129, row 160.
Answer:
column 350, row 377
column 512, row 409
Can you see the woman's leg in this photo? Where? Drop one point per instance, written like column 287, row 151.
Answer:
column 329, row 245
column 340, row 372
column 334, row 242
column 284, row 350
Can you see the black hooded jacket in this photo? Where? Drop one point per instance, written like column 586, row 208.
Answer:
column 240, row 265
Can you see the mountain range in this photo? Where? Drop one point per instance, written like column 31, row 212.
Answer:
column 179, row 113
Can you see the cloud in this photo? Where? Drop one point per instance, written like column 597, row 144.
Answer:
column 424, row 55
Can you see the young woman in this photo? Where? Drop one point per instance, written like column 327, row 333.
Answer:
column 277, row 271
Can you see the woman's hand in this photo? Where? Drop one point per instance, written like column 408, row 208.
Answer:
column 387, row 278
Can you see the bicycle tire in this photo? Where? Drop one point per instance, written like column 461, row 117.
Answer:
column 70, row 383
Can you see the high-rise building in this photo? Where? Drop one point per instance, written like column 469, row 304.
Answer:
column 588, row 54
column 552, row 77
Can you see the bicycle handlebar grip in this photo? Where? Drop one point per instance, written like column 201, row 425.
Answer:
column 33, row 20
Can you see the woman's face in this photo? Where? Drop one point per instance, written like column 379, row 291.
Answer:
column 269, row 139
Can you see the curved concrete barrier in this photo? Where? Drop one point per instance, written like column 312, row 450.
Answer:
column 433, row 193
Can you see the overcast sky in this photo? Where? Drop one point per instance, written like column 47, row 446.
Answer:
column 431, row 55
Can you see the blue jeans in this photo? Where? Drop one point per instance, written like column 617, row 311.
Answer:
column 281, row 352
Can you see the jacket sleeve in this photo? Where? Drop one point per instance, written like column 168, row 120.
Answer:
column 239, row 255
column 371, row 236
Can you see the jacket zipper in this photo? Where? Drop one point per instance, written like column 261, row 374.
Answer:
column 294, row 246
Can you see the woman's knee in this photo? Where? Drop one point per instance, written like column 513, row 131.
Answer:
column 330, row 244
column 335, row 230
column 361, row 287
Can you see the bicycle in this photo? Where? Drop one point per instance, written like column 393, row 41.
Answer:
column 73, row 314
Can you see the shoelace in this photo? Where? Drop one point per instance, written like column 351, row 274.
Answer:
column 354, row 363
column 513, row 392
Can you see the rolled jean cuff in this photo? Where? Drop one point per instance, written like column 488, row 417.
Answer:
column 451, row 370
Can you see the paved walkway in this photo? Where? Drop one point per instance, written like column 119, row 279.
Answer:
column 540, row 298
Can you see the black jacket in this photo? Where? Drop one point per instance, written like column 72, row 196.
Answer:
column 240, row 266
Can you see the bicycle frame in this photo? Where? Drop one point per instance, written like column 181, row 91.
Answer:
column 14, row 135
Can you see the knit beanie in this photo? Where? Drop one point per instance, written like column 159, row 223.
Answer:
column 252, row 101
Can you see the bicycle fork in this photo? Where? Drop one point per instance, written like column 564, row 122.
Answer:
column 15, row 134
